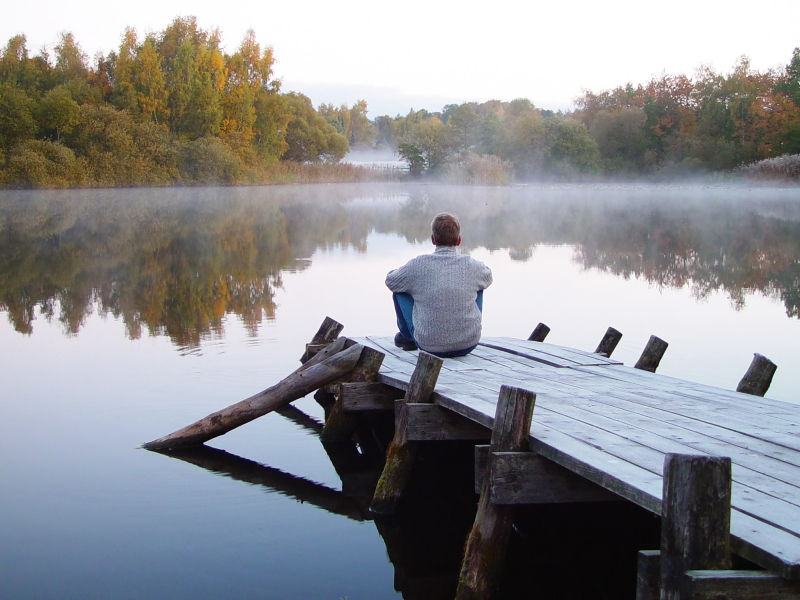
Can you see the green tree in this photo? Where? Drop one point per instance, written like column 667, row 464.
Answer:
column 309, row 138
column 58, row 111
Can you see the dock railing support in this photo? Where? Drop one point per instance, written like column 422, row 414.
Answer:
column 652, row 354
column 695, row 519
column 339, row 425
column 485, row 551
column 327, row 333
column 539, row 333
column 400, row 454
column 758, row 377
column 609, row 342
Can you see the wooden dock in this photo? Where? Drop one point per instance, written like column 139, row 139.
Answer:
column 614, row 425
column 565, row 426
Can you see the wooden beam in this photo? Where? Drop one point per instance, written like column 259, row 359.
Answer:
column 695, row 519
column 652, row 354
column 609, row 342
column 648, row 575
column 539, row 333
column 298, row 384
column 529, row 478
column 340, row 426
column 428, row 422
column 327, row 333
column 369, row 396
column 400, row 454
column 758, row 377
column 739, row 585
column 486, row 546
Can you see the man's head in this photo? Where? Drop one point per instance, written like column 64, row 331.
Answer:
column 445, row 230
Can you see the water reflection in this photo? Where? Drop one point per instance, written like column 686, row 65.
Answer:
column 176, row 261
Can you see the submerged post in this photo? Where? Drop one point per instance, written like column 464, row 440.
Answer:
column 758, row 377
column 609, row 342
column 695, row 519
column 488, row 540
column 539, row 333
column 400, row 454
column 652, row 354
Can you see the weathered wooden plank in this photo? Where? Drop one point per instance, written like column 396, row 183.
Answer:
column 528, row 478
column 368, row 396
column 695, row 519
column 573, row 355
column 739, row 585
column 429, row 422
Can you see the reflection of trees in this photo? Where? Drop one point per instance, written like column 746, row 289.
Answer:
column 168, row 261
column 177, row 261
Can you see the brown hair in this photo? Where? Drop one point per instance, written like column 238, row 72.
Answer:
column 445, row 229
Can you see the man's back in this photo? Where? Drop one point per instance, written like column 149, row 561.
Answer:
column 444, row 286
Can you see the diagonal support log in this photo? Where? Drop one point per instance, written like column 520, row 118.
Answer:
column 401, row 452
column 303, row 381
column 486, row 546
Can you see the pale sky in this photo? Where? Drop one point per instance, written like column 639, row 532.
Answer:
column 427, row 53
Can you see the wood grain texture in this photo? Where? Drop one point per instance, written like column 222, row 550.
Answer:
column 297, row 385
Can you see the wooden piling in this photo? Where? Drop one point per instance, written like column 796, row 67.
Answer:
column 305, row 380
column 327, row 333
column 758, row 377
column 695, row 519
column 539, row 333
column 652, row 354
column 609, row 342
column 340, row 425
column 486, row 546
column 401, row 452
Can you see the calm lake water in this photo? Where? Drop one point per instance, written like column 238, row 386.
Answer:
column 130, row 313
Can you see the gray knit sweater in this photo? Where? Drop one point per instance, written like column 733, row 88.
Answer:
column 444, row 286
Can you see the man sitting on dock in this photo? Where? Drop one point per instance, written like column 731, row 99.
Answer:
column 438, row 297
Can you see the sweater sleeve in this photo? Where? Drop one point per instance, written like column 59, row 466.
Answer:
column 397, row 280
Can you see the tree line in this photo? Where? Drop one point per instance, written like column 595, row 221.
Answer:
column 175, row 107
column 670, row 126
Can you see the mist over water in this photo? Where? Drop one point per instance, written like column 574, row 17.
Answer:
column 129, row 313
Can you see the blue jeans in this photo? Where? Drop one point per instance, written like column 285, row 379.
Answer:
column 404, row 307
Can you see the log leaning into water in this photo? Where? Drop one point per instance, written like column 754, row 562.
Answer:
column 318, row 371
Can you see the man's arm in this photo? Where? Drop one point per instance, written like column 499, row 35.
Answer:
column 397, row 279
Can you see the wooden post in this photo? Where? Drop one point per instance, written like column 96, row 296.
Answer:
column 303, row 381
column 488, row 540
column 327, row 332
column 758, row 377
column 652, row 354
column 648, row 575
column 339, row 426
column 401, row 452
column 695, row 519
column 609, row 342
column 539, row 333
